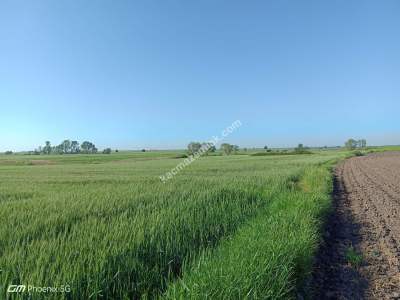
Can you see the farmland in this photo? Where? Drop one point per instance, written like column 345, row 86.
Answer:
column 360, row 258
column 225, row 226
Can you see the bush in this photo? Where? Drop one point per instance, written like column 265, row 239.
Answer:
column 301, row 151
column 358, row 153
column 8, row 152
column 107, row 151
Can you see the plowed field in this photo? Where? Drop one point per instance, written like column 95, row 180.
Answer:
column 360, row 256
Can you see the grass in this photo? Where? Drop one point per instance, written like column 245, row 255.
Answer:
column 270, row 256
column 23, row 160
column 107, row 226
column 272, row 153
column 353, row 257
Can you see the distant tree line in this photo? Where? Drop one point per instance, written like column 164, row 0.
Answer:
column 207, row 148
column 354, row 144
column 70, row 147
column 301, row 149
column 228, row 149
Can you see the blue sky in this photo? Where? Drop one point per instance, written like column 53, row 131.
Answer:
column 159, row 74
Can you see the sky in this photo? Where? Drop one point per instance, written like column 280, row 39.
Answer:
column 159, row 74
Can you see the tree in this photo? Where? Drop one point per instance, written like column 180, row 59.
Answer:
column 351, row 144
column 56, row 149
column 47, row 148
column 107, row 151
column 265, row 148
column 362, row 143
column 88, row 147
column 207, row 148
column 75, row 147
column 8, row 152
column 193, row 147
column 212, row 149
column 300, row 149
column 226, row 148
column 235, row 148
column 66, row 146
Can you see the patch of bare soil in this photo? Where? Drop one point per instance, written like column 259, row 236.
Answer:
column 39, row 162
column 366, row 218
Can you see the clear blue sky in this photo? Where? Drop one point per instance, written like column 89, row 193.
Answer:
column 159, row 74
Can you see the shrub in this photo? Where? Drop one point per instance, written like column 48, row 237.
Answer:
column 107, row 151
column 302, row 151
column 358, row 153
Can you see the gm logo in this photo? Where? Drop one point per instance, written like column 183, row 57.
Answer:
column 12, row 288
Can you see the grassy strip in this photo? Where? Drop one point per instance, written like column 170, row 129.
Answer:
column 270, row 257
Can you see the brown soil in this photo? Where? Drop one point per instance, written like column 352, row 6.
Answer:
column 366, row 216
column 37, row 162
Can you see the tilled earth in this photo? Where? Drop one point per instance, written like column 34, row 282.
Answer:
column 366, row 218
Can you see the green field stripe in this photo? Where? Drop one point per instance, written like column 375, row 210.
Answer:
column 268, row 258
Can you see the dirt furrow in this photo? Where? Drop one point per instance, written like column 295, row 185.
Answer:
column 381, row 175
column 359, row 257
column 374, row 214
